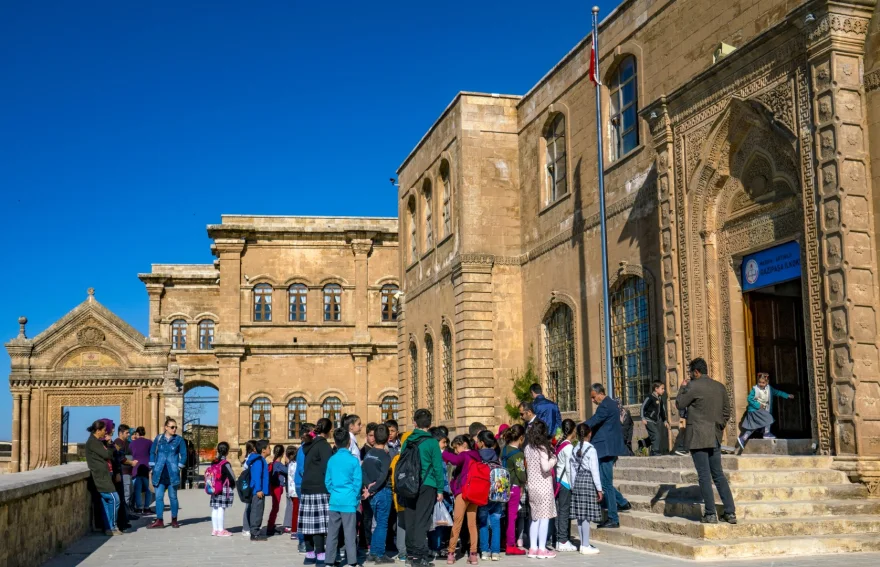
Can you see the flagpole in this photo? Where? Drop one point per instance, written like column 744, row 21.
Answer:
column 600, row 166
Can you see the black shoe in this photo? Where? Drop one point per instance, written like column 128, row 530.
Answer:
column 310, row 561
column 709, row 519
column 384, row 560
column 133, row 516
column 729, row 518
column 259, row 537
column 608, row 524
column 625, row 508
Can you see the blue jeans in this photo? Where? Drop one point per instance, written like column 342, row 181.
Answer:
column 172, row 495
column 489, row 517
column 381, row 505
column 610, row 501
column 110, row 502
column 141, row 487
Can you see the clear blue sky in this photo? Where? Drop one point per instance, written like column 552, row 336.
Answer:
column 126, row 127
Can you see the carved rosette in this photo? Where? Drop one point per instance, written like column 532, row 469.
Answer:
column 90, row 336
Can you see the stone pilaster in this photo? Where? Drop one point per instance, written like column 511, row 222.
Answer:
column 229, row 251
column 361, row 394
column 155, row 292
column 16, row 433
column 474, row 348
column 835, row 47
column 361, row 249
column 154, row 414
column 25, row 431
column 229, row 392
column 403, row 365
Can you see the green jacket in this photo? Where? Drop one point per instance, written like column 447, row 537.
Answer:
column 432, row 460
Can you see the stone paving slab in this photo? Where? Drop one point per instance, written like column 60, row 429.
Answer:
column 193, row 545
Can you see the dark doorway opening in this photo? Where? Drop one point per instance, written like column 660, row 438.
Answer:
column 776, row 344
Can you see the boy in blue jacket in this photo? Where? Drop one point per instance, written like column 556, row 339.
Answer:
column 256, row 463
column 343, row 481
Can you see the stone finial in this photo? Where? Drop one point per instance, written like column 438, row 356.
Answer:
column 91, row 292
column 22, row 322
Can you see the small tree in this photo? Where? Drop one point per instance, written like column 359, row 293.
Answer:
column 522, row 380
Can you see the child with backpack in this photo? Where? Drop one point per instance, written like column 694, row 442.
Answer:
column 344, row 483
column 258, row 481
column 292, row 509
column 462, row 455
column 396, row 522
column 489, row 514
column 540, row 463
column 513, row 459
column 277, row 482
column 219, row 480
column 563, row 483
column 377, row 492
column 439, row 536
column 244, row 481
column 586, row 487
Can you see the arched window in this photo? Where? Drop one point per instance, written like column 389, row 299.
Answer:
column 429, row 372
column 206, row 334
column 429, row 217
column 332, row 408
column 261, row 418
column 262, row 302
column 556, row 166
column 389, row 302
column 446, row 182
column 413, row 377
column 413, row 233
column 630, row 341
column 448, row 385
column 296, row 417
column 298, row 296
column 624, row 109
column 561, row 371
column 388, row 409
column 178, row 335
column 332, row 302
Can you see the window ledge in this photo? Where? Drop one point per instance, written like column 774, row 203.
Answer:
column 426, row 254
column 625, row 158
column 444, row 239
column 552, row 205
column 412, row 265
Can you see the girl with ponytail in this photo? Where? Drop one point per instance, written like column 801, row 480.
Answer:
column 586, row 487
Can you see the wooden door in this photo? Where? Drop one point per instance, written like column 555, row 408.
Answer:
column 780, row 350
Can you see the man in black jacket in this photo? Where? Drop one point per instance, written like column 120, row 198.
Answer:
column 656, row 421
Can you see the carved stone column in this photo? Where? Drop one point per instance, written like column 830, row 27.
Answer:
column 16, row 433
column 669, row 201
column 25, row 431
column 835, row 47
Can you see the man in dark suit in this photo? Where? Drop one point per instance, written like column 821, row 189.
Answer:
column 708, row 410
column 608, row 441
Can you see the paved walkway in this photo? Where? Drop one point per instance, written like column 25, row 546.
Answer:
column 192, row 545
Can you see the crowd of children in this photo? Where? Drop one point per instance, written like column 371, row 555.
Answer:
column 418, row 496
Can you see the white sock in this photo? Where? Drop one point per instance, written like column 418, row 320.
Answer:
column 584, row 530
column 543, row 526
column 533, row 534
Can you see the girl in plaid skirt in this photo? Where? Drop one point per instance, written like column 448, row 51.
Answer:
column 314, row 502
column 586, row 492
column 224, row 498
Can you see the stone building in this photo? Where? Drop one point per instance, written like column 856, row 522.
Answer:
column 740, row 210
column 295, row 320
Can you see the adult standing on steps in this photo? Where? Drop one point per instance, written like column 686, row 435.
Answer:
column 545, row 410
column 708, row 408
column 167, row 459
column 608, row 442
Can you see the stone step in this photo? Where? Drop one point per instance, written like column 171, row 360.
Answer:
column 706, row 550
column 729, row 462
column 693, row 509
column 751, row 528
column 743, row 493
column 783, row 477
column 780, row 447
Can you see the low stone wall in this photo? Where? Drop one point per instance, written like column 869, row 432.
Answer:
column 41, row 512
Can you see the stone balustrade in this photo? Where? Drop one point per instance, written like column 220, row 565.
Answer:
column 42, row 512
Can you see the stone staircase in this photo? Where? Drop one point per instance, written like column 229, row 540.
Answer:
column 786, row 505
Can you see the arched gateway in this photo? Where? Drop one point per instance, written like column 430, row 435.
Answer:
column 90, row 357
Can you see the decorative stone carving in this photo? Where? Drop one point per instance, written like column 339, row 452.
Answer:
column 90, row 336
column 780, row 101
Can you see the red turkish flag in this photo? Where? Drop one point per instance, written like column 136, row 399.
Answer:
column 594, row 72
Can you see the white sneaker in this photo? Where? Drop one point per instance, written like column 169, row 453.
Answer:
column 589, row 550
column 485, row 556
column 246, row 534
column 567, row 546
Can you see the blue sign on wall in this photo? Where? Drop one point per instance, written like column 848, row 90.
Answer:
column 772, row 266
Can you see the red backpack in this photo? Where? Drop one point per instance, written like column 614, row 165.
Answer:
column 476, row 485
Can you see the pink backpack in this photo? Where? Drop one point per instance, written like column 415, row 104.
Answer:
column 213, row 478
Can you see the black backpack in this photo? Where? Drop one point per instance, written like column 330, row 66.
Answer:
column 243, row 486
column 408, row 473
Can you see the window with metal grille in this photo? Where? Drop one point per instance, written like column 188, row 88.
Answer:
column 389, row 407
column 262, row 302
column 557, row 169
column 429, row 372
column 261, row 418
column 296, row 417
column 332, row 408
column 631, row 341
column 624, row 109
column 447, row 195
column 332, row 302
column 298, row 296
column 429, row 217
column 448, row 386
column 389, row 302
column 206, row 334
column 561, row 370
column 413, row 377
column 178, row 335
